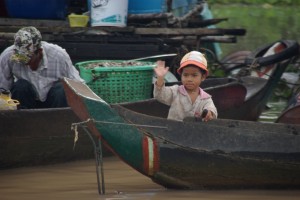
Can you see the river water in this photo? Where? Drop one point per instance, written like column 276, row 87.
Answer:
column 274, row 108
column 77, row 181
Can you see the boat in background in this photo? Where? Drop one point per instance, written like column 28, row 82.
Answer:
column 291, row 115
column 192, row 154
column 40, row 136
column 260, row 62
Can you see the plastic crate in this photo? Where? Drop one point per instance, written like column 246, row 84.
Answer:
column 116, row 84
column 142, row 7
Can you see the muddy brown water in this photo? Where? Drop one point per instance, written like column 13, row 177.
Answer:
column 77, row 181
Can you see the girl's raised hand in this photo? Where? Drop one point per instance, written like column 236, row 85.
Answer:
column 160, row 69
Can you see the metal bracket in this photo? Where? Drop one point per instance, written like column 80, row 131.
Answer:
column 98, row 161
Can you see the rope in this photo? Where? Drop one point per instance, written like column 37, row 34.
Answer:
column 116, row 123
column 74, row 126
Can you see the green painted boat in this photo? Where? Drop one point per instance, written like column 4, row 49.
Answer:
column 191, row 154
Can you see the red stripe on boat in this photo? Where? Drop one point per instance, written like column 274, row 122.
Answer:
column 150, row 153
column 156, row 156
column 145, row 154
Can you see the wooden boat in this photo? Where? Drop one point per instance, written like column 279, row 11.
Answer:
column 41, row 136
column 41, row 141
column 291, row 114
column 22, row 130
column 233, row 98
column 44, row 136
column 265, row 56
column 235, row 60
column 192, row 154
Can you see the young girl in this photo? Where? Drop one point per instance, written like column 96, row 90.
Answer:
column 187, row 100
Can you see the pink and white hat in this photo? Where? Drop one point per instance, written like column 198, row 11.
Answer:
column 193, row 58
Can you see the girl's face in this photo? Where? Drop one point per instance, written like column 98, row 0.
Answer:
column 191, row 78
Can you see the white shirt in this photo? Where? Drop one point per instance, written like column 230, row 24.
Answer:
column 55, row 65
column 180, row 103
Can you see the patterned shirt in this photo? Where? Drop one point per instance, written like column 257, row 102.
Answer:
column 180, row 103
column 54, row 65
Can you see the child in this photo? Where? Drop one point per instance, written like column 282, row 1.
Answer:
column 187, row 100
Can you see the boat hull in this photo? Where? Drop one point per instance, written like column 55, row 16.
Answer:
column 219, row 170
column 211, row 160
column 41, row 136
column 290, row 115
column 191, row 154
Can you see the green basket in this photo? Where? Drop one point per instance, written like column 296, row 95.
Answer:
column 118, row 84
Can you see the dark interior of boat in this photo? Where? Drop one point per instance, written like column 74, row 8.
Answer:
column 219, row 88
column 149, row 107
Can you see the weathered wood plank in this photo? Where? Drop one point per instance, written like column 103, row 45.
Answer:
column 221, row 39
column 138, row 31
column 188, row 31
column 149, row 16
column 203, row 23
column 6, row 36
column 12, row 25
column 53, row 26
column 33, row 22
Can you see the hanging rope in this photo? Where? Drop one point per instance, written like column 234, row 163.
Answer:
column 74, row 126
column 115, row 123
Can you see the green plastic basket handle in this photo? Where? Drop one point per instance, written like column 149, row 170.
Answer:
column 156, row 56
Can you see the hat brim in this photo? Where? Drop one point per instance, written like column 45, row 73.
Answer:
column 194, row 63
